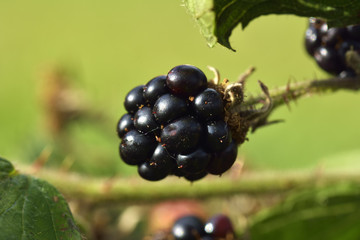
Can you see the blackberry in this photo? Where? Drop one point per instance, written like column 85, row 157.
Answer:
column 219, row 226
column 191, row 227
column 329, row 45
column 175, row 125
column 188, row 228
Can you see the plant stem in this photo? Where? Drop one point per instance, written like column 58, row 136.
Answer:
column 101, row 191
column 292, row 92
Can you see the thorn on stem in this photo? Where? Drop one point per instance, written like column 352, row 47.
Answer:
column 242, row 78
column 216, row 72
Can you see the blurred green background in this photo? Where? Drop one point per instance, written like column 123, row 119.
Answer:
column 112, row 46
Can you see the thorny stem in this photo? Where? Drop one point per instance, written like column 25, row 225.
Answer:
column 103, row 191
column 294, row 91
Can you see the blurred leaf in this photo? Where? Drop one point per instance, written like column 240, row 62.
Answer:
column 328, row 213
column 217, row 18
column 32, row 209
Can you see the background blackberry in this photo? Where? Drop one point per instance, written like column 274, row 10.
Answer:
column 191, row 227
column 175, row 125
column 329, row 46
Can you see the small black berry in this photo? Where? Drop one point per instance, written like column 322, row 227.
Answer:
column 354, row 32
column 348, row 73
column 152, row 172
column 186, row 80
column 163, row 158
column 155, row 88
column 333, row 36
column 144, row 121
column 136, row 147
column 182, row 136
column 312, row 40
column 328, row 59
column 188, row 228
column 125, row 124
column 218, row 136
column 195, row 176
column 134, row 99
column 221, row 162
column 208, row 105
column 169, row 107
column 194, row 162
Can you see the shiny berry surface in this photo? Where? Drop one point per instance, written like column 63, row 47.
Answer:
column 144, row 121
column 152, row 172
column 328, row 59
column 125, row 124
column 195, row 176
column 182, row 136
column 218, row 136
column 312, row 40
column 194, row 162
column 186, row 80
column 221, row 162
column 136, row 147
column 134, row 99
column 169, row 107
column 208, row 105
column 188, row 228
column 219, row 226
column 155, row 88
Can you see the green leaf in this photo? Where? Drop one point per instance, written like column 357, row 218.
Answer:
column 328, row 213
column 32, row 209
column 217, row 18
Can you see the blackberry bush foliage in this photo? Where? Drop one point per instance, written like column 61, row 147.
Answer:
column 329, row 46
column 181, row 124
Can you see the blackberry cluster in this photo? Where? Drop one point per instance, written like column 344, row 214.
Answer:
column 192, row 228
column 175, row 125
column 329, row 46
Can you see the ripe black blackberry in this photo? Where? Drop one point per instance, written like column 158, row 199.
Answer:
column 175, row 125
column 329, row 46
column 191, row 227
